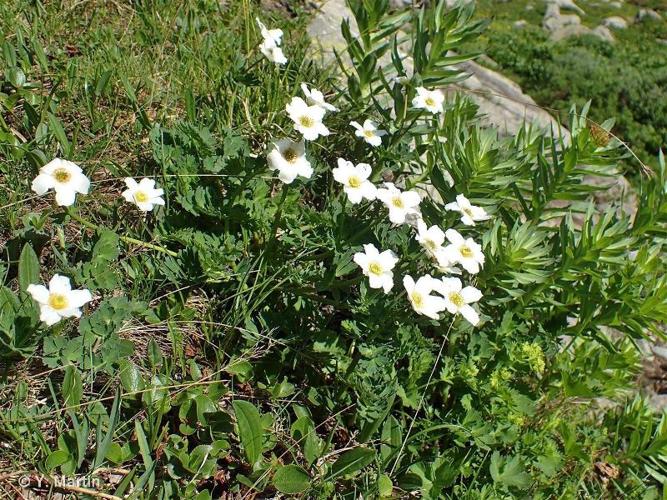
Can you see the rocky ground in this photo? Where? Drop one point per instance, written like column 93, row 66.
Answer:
column 504, row 105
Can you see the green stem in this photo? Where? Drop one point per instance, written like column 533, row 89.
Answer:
column 279, row 212
column 126, row 239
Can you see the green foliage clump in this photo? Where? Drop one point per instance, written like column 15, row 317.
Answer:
column 233, row 345
column 626, row 80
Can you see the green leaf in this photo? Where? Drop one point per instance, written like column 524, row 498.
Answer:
column 72, row 388
column 59, row 132
column 291, row 479
column 28, row 267
column 57, row 458
column 250, row 429
column 508, row 472
column 106, row 247
column 351, row 461
column 130, row 376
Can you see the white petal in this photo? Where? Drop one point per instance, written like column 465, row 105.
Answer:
column 364, row 170
column 358, row 127
column 128, row 194
column 470, row 265
column 39, row 292
column 411, row 198
column 462, row 201
column 408, row 283
column 374, row 140
column 467, row 220
column 80, row 183
column 469, row 314
column 453, row 206
column 388, row 259
column 72, row 312
column 376, row 281
column 454, row 236
column 65, row 196
column 42, row 183
column 368, row 190
column 49, row 315
column 370, row 250
column 396, row 215
column 471, row 294
column 59, row 284
column 77, row 298
column 361, row 259
column 355, row 195
column 131, row 183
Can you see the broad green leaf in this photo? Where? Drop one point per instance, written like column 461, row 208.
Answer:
column 351, row 461
column 28, row 267
column 250, row 429
column 72, row 388
column 291, row 480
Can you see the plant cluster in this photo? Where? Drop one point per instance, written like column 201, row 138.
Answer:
column 240, row 332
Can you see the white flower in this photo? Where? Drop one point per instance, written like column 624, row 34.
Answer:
column 401, row 204
column 307, row 119
column 315, row 97
column 289, row 159
column 444, row 264
column 458, row 299
column 464, row 251
column 59, row 300
column 355, row 180
column 273, row 37
column 430, row 100
column 377, row 266
column 143, row 194
column 470, row 212
column 369, row 132
column 431, row 238
column 270, row 47
column 420, row 296
column 273, row 53
column 65, row 178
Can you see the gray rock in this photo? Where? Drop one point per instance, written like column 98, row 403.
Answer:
column 661, row 41
column 567, row 5
column 501, row 101
column 530, row 6
column 604, row 33
column 569, row 31
column 644, row 14
column 521, row 23
column 557, row 23
column 615, row 22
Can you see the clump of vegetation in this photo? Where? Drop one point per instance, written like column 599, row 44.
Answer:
column 625, row 80
column 264, row 315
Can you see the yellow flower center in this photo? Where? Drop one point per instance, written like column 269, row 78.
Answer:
column 397, row 202
column 429, row 101
column 466, row 251
column 456, row 299
column 306, row 121
column 140, row 197
column 354, row 181
column 468, row 212
column 369, row 133
column 58, row 301
column 430, row 244
column 290, row 155
column 375, row 268
column 62, row 175
column 417, row 299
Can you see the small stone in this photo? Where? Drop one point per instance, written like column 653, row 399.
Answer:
column 557, row 23
column 530, row 6
column 567, row 5
column 616, row 5
column 604, row 33
column 521, row 23
column 615, row 22
column 644, row 14
column 569, row 31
